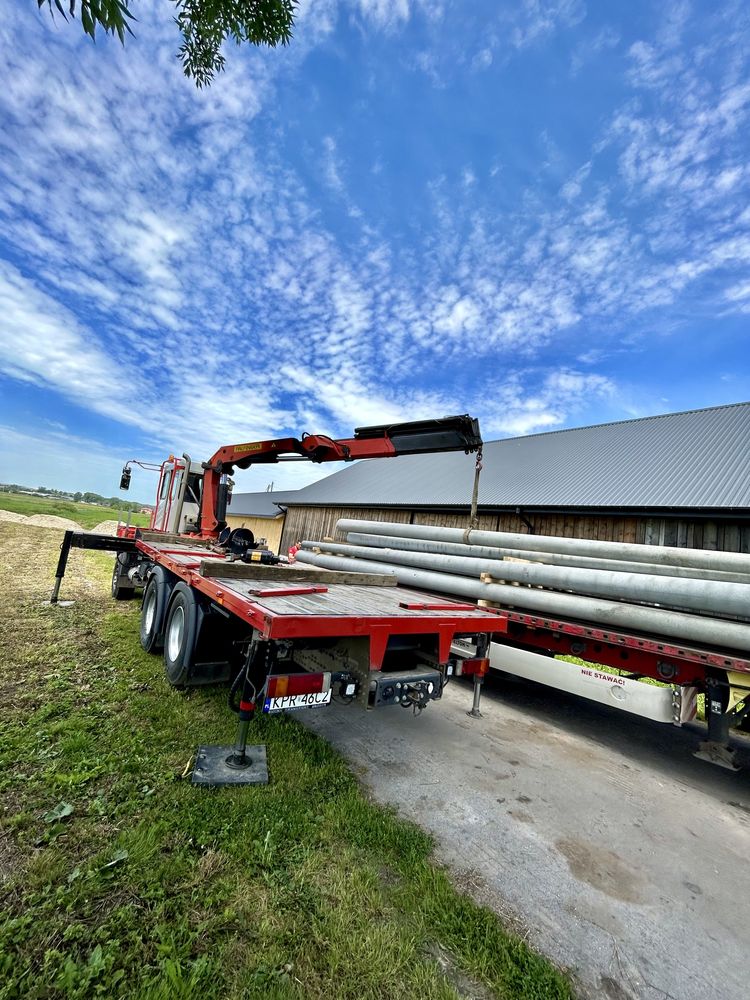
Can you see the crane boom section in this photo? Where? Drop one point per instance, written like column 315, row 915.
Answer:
column 456, row 433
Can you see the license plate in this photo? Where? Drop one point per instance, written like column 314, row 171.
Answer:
column 290, row 701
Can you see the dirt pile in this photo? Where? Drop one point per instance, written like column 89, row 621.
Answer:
column 52, row 521
column 105, row 528
column 9, row 515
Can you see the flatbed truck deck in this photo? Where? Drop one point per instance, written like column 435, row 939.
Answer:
column 301, row 603
column 288, row 637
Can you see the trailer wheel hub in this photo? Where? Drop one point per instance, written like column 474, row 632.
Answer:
column 176, row 632
column 150, row 610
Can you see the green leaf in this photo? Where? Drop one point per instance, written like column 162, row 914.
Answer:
column 88, row 22
column 117, row 858
column 61, row 810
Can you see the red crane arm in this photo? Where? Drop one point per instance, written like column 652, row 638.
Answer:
column 458, row 433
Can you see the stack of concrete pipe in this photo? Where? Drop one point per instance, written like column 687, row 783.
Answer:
column 694, row 595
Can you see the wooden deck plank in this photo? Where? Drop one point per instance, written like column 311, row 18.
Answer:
column 254, row 571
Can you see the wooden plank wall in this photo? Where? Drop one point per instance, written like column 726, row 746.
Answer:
column 317, row 523
column 269, row 528
column 725, row 535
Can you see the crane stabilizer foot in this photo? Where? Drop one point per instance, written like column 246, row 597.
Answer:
column 717, row 753
column 475, row 713
column 218, row 766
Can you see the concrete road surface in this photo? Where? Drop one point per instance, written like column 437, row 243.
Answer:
column 624, row 858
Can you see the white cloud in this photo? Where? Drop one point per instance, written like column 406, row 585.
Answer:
column 606, row 39
column 385, row 13
column 68, row 462
column 538, row 19
column 738, row 292
column 574, row 185
column 483, row 59
column 456, row 317
column 331, row 166
column 161, row 243
column 42, row 342
column 560, row 395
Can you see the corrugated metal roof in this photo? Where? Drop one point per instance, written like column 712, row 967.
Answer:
column 700, row 458
column 259, row 504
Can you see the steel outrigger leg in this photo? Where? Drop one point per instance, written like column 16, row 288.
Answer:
column 483, row 645
column 717, row 749
column 239, row 764
column 475, row 713
column 62, row 563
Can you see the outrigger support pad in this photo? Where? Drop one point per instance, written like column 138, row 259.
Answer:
column 215, row 766
column 240, row 764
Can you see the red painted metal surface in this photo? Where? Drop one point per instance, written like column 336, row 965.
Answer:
column 662, row 660
column 450, row 621
column 152, row 520
column 638, row 654
column 289, row 591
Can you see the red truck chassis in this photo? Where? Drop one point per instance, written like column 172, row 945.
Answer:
column 289, row 637
column 308, row 636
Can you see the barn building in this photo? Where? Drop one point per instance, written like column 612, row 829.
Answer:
column 676, row 479
column 262, row 513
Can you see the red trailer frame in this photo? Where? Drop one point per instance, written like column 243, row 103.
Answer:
column 421, row 616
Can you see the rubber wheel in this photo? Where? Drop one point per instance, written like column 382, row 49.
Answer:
column 180, row 634
column 154, row 610
column 120, row 592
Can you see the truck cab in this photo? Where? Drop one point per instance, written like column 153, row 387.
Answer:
column 178, row 496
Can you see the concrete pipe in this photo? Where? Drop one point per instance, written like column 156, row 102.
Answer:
column 626, row 617
column 737, row 562
column 552, row 558
column 697, row 595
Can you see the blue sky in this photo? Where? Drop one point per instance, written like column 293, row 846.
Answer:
column 536, row 212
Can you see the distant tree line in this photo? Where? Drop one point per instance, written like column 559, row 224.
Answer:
column 78, row 497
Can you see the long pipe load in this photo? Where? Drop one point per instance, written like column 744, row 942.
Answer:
column 738, row 562
column 697, row 595
column 691, row 628
column 553, row 558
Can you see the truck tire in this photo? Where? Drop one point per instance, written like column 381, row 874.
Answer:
column 120, row 591
column 180, row 636
column 154, row 610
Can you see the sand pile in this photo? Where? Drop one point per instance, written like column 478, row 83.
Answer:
column 52, row 521
column 9, row 515
column 105, row 528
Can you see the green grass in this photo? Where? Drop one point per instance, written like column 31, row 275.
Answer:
column 87, row 515
column 119, row 879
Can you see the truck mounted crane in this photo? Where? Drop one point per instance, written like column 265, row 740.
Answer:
column 288, row 637
column 193, row 497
